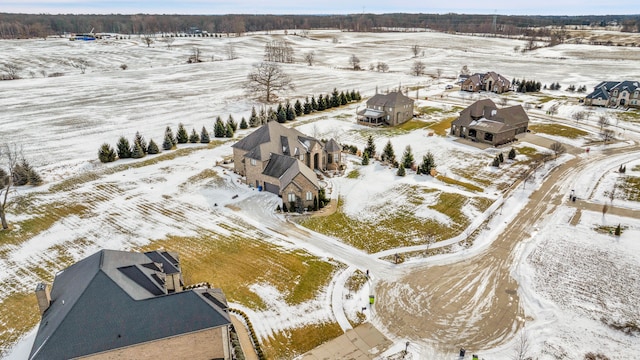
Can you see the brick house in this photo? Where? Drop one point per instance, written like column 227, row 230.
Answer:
column 282, row 161
column 614, row 94
column 389, row 109
column 482, row 121
column 490, row 81
column 129, row 305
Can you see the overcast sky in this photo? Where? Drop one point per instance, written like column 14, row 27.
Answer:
column 207, row 7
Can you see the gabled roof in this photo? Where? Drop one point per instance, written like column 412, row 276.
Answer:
column 274, row 138
column 630, row 86
column 485, row 115
column 332, row 146
column 475, row 79
column 392, row 99
column 600, row 92
column 114, row 299
column 286, row 168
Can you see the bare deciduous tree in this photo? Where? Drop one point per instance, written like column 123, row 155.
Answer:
column 603, row 121
column 195, row 55
column 418, row 67
column 80, row 64
column 309, row 58
column 278, row 51
column 578, row 115
column 521, row 347
column 231, row 51
column 557, row 148
column 607, row 135
column 438, row 73
column 11, row 71
column 415, row 49
column 553, row 109
column 9, row 158
column 169, row 41
column 382, row 66
column 147, row 40
column 355, row 62
column 268, row 78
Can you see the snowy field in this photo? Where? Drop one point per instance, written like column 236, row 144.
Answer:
column 574, row 281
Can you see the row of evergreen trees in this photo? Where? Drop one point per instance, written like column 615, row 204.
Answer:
column 525, row 86
column 407, row 162
column 499, row 159
column 22, row 174
column 288, row 112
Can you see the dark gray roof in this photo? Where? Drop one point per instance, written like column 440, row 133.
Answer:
column 603, row 90
column 274, row 138
column 286, row 168
column 600, row 92
column 392, row 99
column 111, row 299
column 485, row 115
column 332, row 146
column 278, row 165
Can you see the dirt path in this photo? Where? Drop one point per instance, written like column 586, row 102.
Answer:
column 473, row 303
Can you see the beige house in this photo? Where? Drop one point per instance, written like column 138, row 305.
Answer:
column 389, row 109
column 282, row 160
column 615, row 94
column 129, row 305
column 482, row 121
column 491, row 81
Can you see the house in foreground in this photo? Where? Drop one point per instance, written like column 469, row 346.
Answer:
column 490, row 81
column 282, row 161
column 389, row 109
column 482, row 121
column 614, row 94
column 129, row 305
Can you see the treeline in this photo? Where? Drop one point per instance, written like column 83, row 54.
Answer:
column 40, row 25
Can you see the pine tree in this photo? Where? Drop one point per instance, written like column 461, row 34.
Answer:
column 152, row 149
column 167, row 144
column 33, row 177
column 138, row 139
column 289, row 113
column 219, row 130
column 407, row 158
column 284, row 207
column 243, row 124
column 335, row 98
column 254, row 121
column 297, row 107
column 307, row 106
column 281, row 114
column 618, row 230
column 370, row 149
column 428, row 163
column 354, row 95
column 496, row 162
column 272, row 116
column 169, row 133
column 365, row 158
column 321, row 104
column 263, row 117
column 388, row 155
column 182, row 136
column 204, row 136
column 233, row 123
column 358, row 97
column 314, row 104
column 124, row 148
column 512, row 154
column 20, row 175
column 315, row 203
column 343, row 99
column 137, row 152
column 228, row 131
column 401, row 171
column 347, row 96
column 106, row 153
column 501, row 158
column 194, row 137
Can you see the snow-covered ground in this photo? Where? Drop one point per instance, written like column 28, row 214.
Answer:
column 570, row 276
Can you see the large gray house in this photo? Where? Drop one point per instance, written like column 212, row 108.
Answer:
column 490, row 81
column 614, row 94
column 390, row 109
column 482, row 121
column 129, row 305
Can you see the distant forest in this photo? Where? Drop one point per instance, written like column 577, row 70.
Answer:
column 13, row 26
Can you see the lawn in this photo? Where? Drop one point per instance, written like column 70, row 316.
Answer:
column 559, row 130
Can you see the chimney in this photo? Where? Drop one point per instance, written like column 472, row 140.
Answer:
column 43, row 294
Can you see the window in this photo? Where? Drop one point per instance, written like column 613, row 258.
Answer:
column 329, row 158
column 292, row 197
column 302, row 157
column 309, row 195
column 253, row 162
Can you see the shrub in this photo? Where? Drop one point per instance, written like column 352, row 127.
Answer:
column 106, row 153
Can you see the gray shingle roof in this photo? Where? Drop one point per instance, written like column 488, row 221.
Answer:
column 392, row 99
column 286, row 168
column 111, row 300
column 485, row 115
column 332, row 146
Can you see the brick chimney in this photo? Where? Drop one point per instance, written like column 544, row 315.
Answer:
column 43, row 294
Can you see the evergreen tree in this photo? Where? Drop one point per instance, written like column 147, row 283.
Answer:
column 272, row 115
column 169, row 133
column 401, row 171
column 307, row 106
column 284, row 207
column 194, row 137
column 228, row 131
column 243, row 124
column 204, row 136
column 407, row 158
column 137, row 151
column 138, row 139
column 20, row 174
column 34, row 178
column 152, row 149
column 167, row 144
column 335, row 98
column 321, row 104
column 512, row 154
column 618, row 230
column 314, row 104
column 365, row 158
column 388, row 155
column 370, row 149
column 254, row 120
column 124, row 148
column 182, row 136
column 219, row 130
column 288, row 109
column 358, row 97
column 263, row 116
column 347, row 95
column 106, row 153
column 496, row 162
column 297, row 107
column 343, row 98
column 281, row 115
column 501, row 157
column 428, row 163
column 353, row 95
column 233, row 123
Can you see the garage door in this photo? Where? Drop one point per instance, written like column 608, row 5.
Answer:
column 272, row 188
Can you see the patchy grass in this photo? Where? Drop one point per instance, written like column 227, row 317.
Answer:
column 630, row 187
column 559, row 130
column 353, row 174
column 412, row 125
column 442, row 128
column 234, row 263
column 397, row 228
column 526, row 150
column 632, row 116
column 546, row 99
column 206, row 174
column 291, row 343
column 608, row 229
column 356, row 281
column 636, row 168
column 465, row 185
column 428, row 110
column 19, row 314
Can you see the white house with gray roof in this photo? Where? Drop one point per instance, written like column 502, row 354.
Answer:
column 390, row 109
column 615, row 94
column 129, row 305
